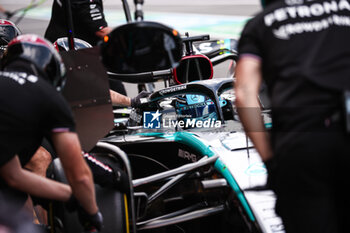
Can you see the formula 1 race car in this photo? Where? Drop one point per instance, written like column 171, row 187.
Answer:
column 189, row 177
column 198, row 171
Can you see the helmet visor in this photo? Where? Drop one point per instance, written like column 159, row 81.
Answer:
column 7, row 33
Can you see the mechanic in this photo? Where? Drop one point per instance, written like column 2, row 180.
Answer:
column 104, row 174
column 31, row 108
column 42, row 158
column 88, row 21
column 89, row 25
column 300, row 49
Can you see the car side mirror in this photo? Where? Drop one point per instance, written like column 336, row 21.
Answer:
column 193, row 68
column 141, row 47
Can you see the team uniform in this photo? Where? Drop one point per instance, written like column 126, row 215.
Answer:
column 30, row 108
column 88, row 18
column 303, row 46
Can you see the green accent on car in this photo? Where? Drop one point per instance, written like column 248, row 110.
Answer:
column 194, row 142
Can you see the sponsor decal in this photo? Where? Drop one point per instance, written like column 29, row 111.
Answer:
column 20, row 78
column 187, row 155
column 315, row 17
column 172, row 89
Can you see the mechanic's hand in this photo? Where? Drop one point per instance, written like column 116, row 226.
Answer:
column 90, row 223
column 138, row 100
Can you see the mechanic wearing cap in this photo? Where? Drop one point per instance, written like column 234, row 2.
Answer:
column 301, row 50
column 89, row 25
column 31, row 108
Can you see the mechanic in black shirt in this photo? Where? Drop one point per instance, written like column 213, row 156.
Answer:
column 88, row 21
column 31, row 108
column 300, row 49
column 89, row 24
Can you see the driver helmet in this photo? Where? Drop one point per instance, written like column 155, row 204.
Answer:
column 8, row 31
column 61, row 44
column 38, row 51
column 197, row 107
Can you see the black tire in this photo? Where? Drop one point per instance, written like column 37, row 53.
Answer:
column 111, row 204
